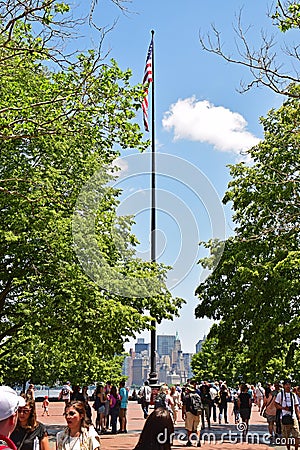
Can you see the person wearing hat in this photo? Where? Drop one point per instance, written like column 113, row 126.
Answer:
column 288, row 404
column 65, row 393
column 9, row 404
column 192, row 417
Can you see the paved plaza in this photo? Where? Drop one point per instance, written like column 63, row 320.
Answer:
column 219, row 437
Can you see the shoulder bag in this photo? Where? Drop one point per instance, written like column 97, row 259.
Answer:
column 287, row 419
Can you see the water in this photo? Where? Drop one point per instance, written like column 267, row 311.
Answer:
column 53, row 393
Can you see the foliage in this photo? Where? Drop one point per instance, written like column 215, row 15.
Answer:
column 236, row 363
column 287, row 16
column 254, row 291
column 58, row 126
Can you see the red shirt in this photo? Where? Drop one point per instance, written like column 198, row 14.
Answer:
column 6, row 443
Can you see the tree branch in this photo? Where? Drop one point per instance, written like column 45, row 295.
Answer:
column 262, row 63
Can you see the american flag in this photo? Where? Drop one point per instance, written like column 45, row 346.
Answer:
column 146, row 81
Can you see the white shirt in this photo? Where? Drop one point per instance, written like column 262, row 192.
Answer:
column 68, row 396
column 284, row 399
column 146, row 392
column 259, row 391
column 73, row 443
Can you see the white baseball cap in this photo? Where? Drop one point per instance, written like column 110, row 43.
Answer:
column 10, row 401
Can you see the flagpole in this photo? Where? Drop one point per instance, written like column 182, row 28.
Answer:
column 153, row 374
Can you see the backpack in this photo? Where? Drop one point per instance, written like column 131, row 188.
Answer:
column 64, row 391
column 217, row 398
column 196, row 404
column 160, row 401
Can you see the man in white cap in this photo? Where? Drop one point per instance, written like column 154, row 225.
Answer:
column 65, row 393
column 10, row 401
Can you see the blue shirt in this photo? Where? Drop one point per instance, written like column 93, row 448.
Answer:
column 124, row 397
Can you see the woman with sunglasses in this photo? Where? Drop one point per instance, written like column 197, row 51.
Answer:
column 79, row 434
column 29, row 434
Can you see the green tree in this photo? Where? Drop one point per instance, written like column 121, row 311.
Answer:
column 253, row 293
column 287, row 15
column 58, row 126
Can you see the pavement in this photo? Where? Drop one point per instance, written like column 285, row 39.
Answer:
column 218, row 437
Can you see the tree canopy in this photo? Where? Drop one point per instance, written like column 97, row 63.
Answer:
column 253, row 294
column 62, row 119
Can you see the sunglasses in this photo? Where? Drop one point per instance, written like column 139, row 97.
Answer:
column 23, row 411
column 70, row 413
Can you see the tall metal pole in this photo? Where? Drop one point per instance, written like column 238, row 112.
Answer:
column 153, row 373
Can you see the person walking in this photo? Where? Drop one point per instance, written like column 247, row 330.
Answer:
column 176, row 404
column 190, row 415
column 10, row 402
column 223, row 404
column 45, row 406
column 214, row 393
column 207, row 404
column 277, row 389
column 288, row 404
column 244, row 406
column 65, row 393
column 268, row 411
column 145, row 397
column 78, row 434
column 259, row 396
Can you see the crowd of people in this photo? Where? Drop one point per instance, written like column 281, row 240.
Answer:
column 277, row 403
column 20, row 429
column 199, row 404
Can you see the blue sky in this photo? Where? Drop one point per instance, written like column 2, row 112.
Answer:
column 202, row 124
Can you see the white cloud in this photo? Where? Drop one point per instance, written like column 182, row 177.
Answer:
column 122, row 164
column 201, row 121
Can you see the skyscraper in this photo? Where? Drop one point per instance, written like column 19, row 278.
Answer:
column 165, row 344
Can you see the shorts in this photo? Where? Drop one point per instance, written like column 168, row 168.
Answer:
column 192, row 422
column 245, row 414
column 122, row 413
column 290, row 430
column 270, row 418
column 101, row 409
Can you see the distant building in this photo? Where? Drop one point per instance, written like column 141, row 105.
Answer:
column 165, row 344
column 140, row 370
column 141, row 346
column 173, row 378
column 187, row 358
column 172, row 365
column 199, row 344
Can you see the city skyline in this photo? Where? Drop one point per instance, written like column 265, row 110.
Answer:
column 145, row 336
column 173, row 365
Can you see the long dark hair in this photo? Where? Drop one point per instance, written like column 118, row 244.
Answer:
column 80, row 408
column 268, row 392
column 31, row 420
column 157, row 433
column 114, row 392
